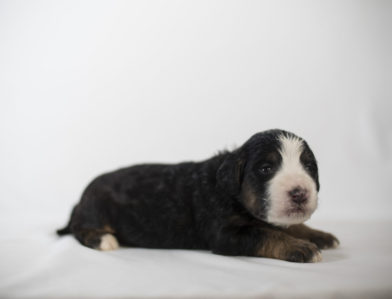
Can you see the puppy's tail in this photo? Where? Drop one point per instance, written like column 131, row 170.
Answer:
column 66, row 230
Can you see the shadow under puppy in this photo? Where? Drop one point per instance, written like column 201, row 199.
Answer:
column 251, row 201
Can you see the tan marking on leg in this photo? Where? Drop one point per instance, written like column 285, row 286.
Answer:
column 274, row 247
column 322, row 239
column 299, row 231
column 282, row 246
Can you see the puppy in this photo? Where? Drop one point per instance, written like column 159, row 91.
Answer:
column 251, row 202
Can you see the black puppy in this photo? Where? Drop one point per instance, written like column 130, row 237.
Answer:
column 251, row 201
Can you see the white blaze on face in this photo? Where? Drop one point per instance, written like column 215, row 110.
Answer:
column 290, row 175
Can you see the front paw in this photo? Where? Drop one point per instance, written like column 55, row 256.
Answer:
column 324, row 240
column 303, row 252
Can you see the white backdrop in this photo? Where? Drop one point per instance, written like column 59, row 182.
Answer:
column 90, row 86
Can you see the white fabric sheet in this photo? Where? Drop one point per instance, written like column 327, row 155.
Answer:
column 36, row 263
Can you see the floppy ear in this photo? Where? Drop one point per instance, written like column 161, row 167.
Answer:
column 230, row 173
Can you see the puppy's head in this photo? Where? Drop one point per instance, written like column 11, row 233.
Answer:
column 275, row 176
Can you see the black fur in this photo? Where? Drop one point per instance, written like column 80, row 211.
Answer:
column 188, row 205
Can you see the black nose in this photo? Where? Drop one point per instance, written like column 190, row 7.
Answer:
column 298, row 195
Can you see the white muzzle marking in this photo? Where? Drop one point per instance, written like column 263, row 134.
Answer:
column 291, row 175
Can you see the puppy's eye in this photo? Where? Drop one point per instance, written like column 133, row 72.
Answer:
column 309, row 166
column 265, row 169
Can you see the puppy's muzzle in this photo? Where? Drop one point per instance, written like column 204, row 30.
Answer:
column 298, row 195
